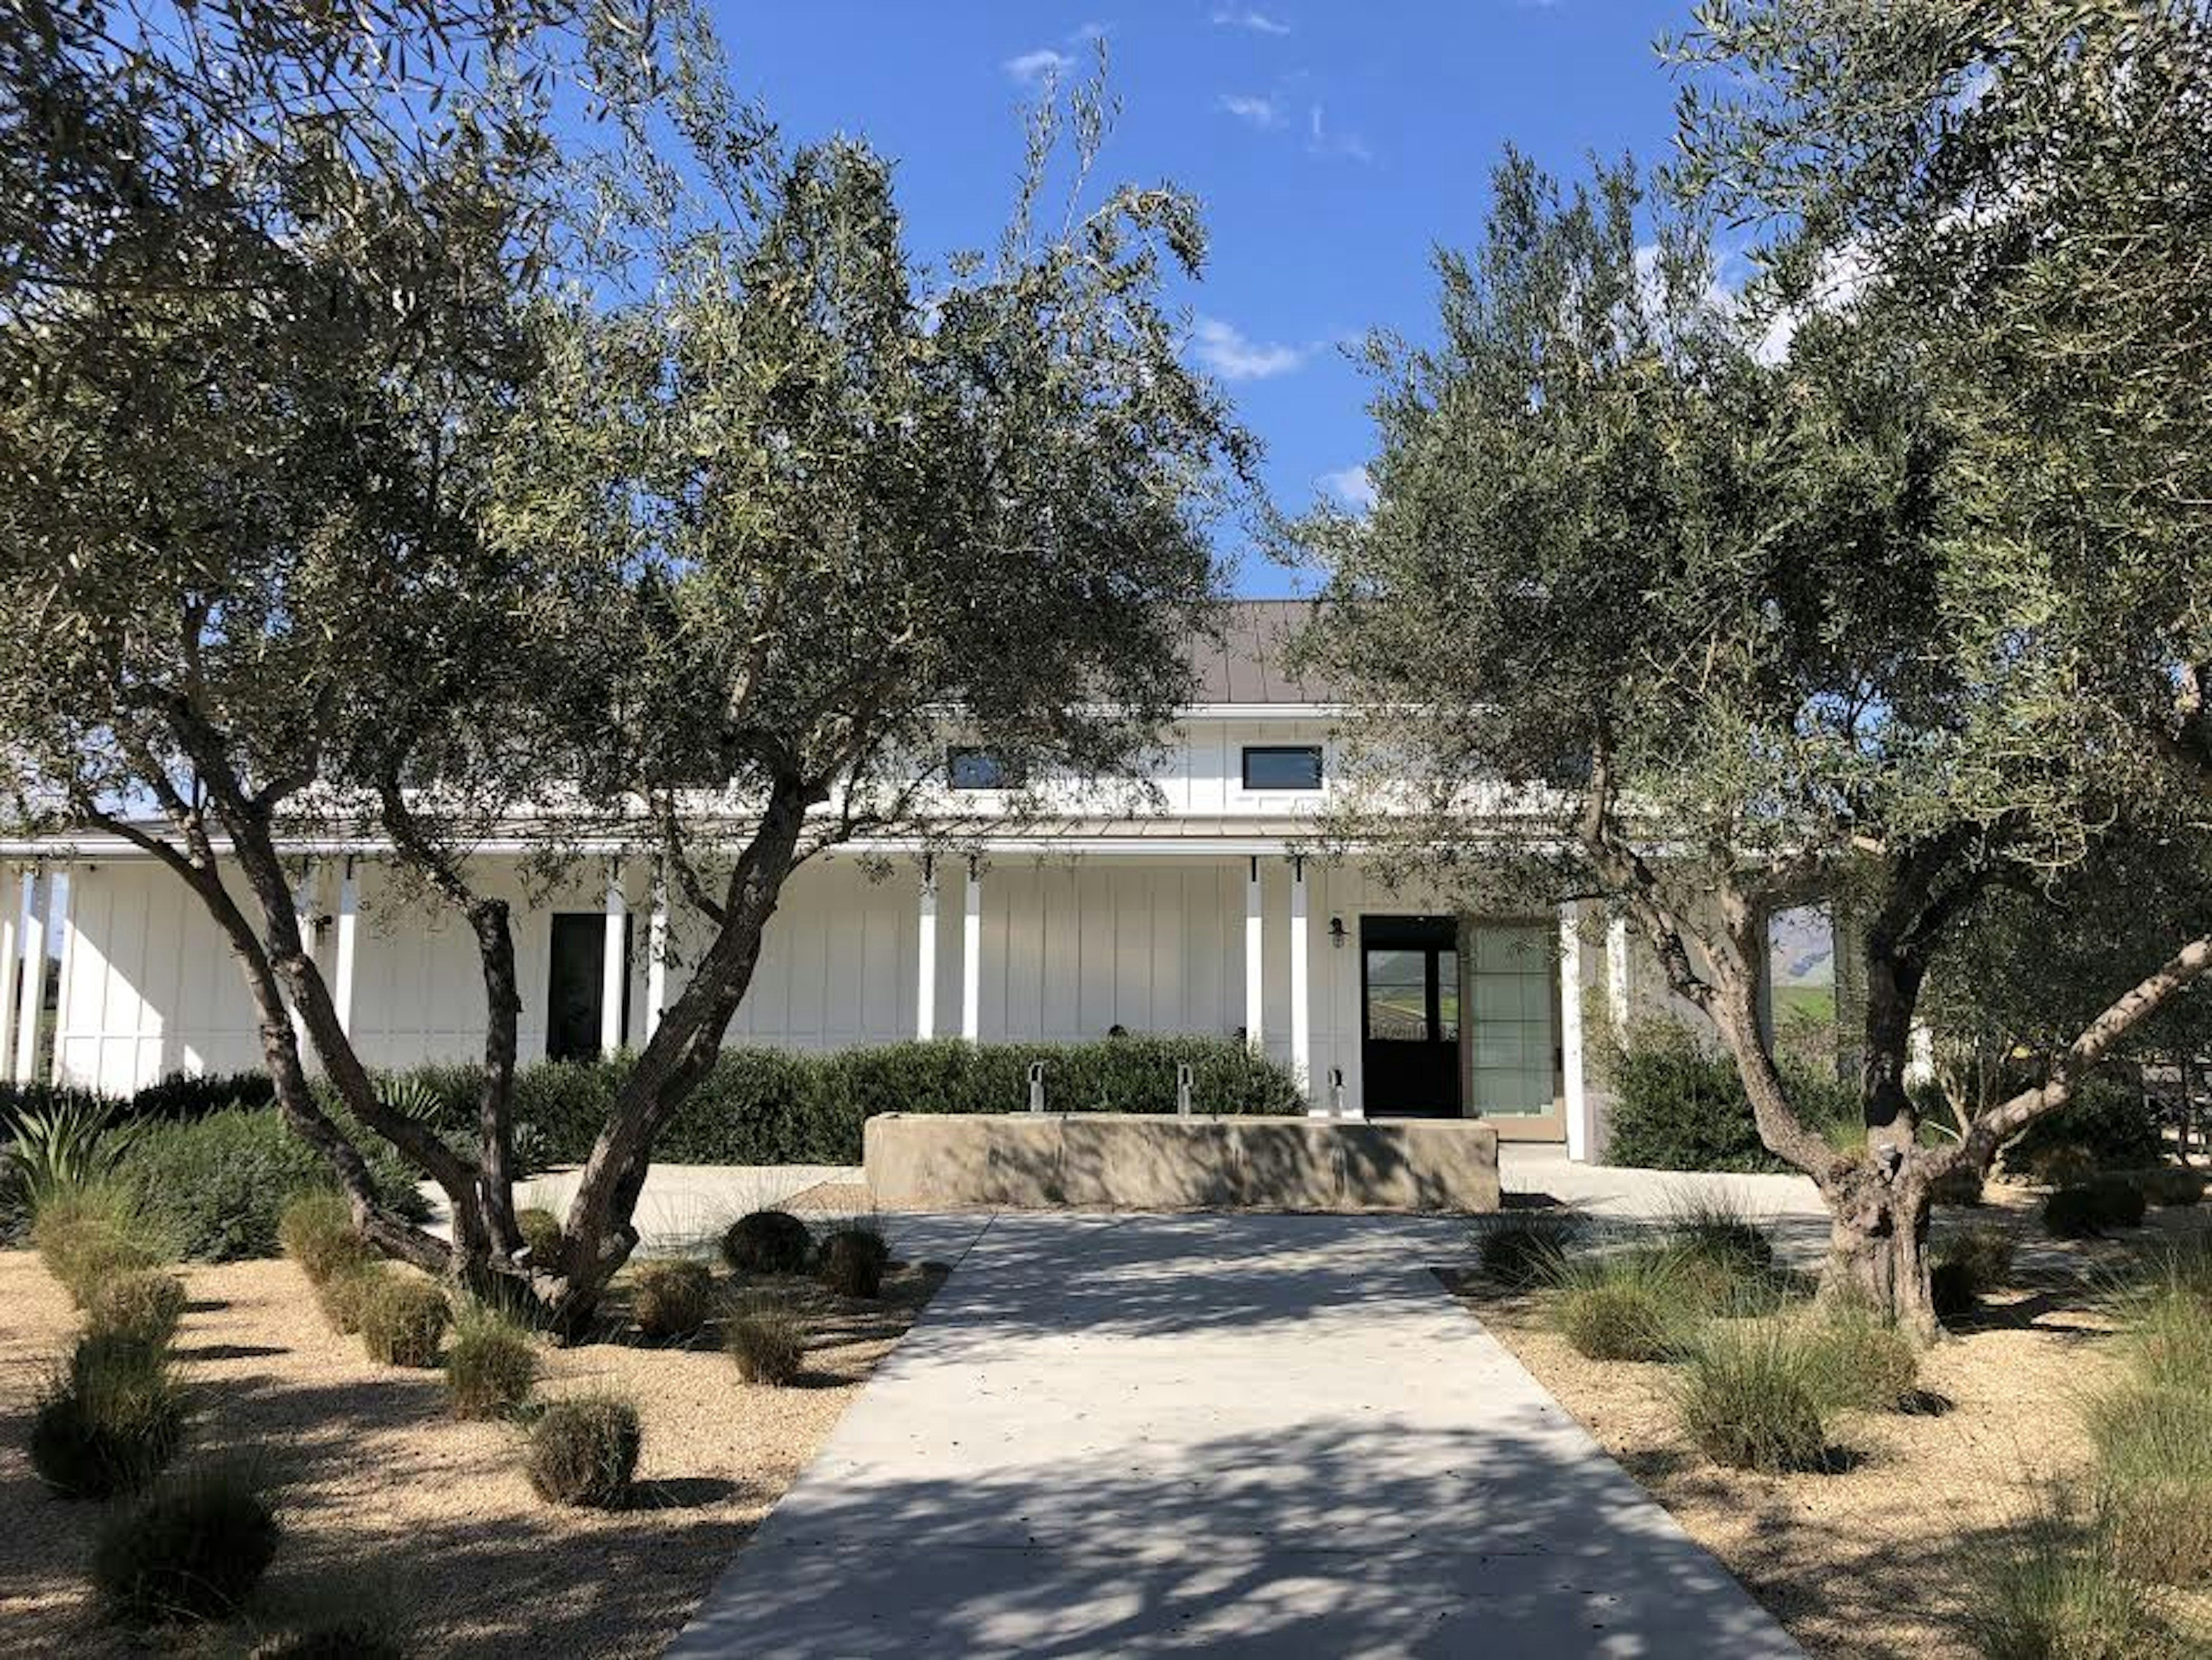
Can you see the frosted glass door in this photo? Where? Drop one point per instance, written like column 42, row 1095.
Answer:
column 1509, row 995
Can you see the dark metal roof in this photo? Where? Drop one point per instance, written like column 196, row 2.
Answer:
column 1248, row 663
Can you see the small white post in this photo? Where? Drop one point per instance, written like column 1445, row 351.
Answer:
column 925, row 968
column 1574, row 1084
column 1255, row 979
column 1301, row 1010
column 303, row 920
column 38, row 895
column 656, row 954
column 614, row 964
column 11, row 956
column 971, row 957
column 348, row 924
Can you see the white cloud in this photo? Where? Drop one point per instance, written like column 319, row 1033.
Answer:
column 1223, row 348
column 1352, row 486
column 1258, row 21
column 1257, row 112
column 1033, row 67
column 1321, row 139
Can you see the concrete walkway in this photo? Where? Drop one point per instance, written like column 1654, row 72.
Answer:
column 1245, row 1435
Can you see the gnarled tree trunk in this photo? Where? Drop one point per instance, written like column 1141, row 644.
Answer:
column 1878, row 1255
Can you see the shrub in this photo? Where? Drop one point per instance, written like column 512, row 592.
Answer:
column 402, row 1319
column 2074, row 1213
column 316, row 1231
column 2056, row 1595
column 1750, row 1399
column 89, row 1232
column 670, row 1300
column 852, row 1262
column 63, row 1141
column 767, row 1242
column 2155, row 1473
column 1628, row 1305
column 110, row 1421
column 194, row 1550
column 1678, row 1105
column 768, row 1342
column 1523, row 1248
column 141, row 1306
column 541, row 1231
column 2119, row 1202
column 2170, row 1184
column 583, row 1450
column 342, row 1295
column 217, row 1187
column 491, row 1365
column 1967, row 1266
column 1862, row 1363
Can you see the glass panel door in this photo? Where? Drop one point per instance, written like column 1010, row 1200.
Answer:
column 1509, row 1000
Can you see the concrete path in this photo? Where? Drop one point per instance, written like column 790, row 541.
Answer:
column 1244, row 1435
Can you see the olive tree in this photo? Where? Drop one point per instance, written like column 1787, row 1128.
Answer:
column 681, row 530
column 1643, row 617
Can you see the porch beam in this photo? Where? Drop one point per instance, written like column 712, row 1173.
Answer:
column 38, row 897
column 1301, row 965
column 925, row 966
column 971, row 956
column 1256, row 978
column 614, row 965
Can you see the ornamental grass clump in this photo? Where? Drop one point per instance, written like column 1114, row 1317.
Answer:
column 2053, row 1592
column 193, row 1550
column 1750, row 1398
column 541, row 1232
column 670, row 1300
column 768, row 1342
column 404, row 1318
column 767, row 1242
column 341, row 1296
column 2155, row 1478
column 491, row 1365
column 1522, row 1249
column 583, row 1451
column 346, row 1636
column 88, row 1233
column 1726, row 1254
column 141, row 1306
column 316, row 1231
column 1628, row 1305
column 110, row 1420
column 851, row 1261
column 1968, row 1265
column 1862, row 1363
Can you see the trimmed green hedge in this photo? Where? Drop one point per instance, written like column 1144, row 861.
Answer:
column 1678, row 1105
column 773, row 1107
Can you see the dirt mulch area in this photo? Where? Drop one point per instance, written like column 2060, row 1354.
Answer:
column 394, row 1509
column 1870, row 1562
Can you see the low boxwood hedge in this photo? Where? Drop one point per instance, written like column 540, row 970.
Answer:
column 1678, row 1104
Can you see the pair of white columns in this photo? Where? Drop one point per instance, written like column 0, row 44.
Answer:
column 971, row 956
column 23, row 973
column 1255, row 970
column 1582, row 1106
column 614, row 972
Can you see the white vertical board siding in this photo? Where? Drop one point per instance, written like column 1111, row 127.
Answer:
column 837, row 960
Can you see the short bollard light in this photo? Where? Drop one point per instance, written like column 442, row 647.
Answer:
column 1037, row 1086
column 1336, row 1091
column 1182, row 1089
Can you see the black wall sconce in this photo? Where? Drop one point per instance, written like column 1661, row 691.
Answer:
column 1336, row 934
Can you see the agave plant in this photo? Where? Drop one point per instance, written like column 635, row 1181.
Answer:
column 71, row 1142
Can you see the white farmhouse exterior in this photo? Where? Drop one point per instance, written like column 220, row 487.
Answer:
column 1204, row 916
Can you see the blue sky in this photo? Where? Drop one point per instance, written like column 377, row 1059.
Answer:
column 1332, row 145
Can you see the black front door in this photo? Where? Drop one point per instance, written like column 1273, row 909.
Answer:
column 576, row 989
column 1409, row 1016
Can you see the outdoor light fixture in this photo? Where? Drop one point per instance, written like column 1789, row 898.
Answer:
column 1336, row 932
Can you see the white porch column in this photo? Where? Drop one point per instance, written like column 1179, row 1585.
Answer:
column 1581, row 1127
column 11, row 956
column 348, row 924
column 971, row 956
column 1301, row 1001
column 614, row 964
column 1616, row 976
column 38, row 898
column 656, row 954
column 925, row 967
column 303, row 919
column 1255, row 979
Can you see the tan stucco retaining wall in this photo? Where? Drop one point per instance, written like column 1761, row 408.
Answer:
column 1112, row 1161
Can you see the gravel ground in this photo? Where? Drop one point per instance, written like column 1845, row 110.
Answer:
column 396, row 1511
column 1870, row 1562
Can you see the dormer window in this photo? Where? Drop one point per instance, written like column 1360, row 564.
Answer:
column 1282, row 766
column 970, row 768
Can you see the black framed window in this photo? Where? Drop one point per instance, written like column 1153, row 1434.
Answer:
column 970, row 768
column 1282, row 766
